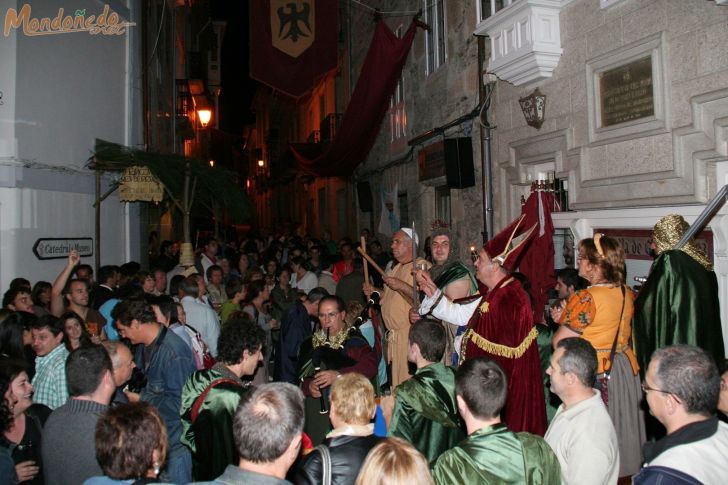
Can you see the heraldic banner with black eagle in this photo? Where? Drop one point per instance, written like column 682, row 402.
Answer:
column 293, row 42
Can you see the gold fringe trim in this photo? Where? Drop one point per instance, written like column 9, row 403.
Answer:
column 498, row 349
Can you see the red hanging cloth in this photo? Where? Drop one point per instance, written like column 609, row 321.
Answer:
column 369, row 103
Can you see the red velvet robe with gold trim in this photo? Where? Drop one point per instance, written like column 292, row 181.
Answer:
column 504, row 317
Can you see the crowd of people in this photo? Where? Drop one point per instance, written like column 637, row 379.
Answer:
column 292, row 359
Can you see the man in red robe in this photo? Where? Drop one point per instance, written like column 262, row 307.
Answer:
column 500, row 326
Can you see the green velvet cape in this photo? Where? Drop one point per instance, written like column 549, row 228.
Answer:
column 453, row 272
column 211, row 436
column 678, row 304
column 497, row 456
column 426, row 412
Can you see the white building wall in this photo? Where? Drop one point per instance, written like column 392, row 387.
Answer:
column 60, row 93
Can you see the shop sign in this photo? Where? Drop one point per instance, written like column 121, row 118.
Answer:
column 138, row 183
column 58, row 248
column 107, row 22
column 637, row 243
column 431, row 161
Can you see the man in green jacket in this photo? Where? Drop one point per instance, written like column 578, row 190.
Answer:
column 423, row 410
column 492, row 454
column 211, row 396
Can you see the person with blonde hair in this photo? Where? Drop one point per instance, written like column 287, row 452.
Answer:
column 395, row 462
column 340, row 456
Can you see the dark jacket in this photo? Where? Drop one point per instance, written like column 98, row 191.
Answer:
column 660, row 475
column 295, row 328
column 347, row 456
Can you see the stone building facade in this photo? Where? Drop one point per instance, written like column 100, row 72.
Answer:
column 623, row 173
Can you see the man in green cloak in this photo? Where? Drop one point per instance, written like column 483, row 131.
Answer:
column 423, row 410
column 492, row 454
column 678, row 304
column 211, row 396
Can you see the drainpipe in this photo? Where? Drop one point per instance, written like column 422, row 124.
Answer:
column 485, row 146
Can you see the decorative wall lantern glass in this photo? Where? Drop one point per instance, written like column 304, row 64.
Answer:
column 534, row 108
column 261, row 163
column 204, row 115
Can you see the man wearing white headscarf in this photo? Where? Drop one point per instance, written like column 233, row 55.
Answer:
column 397, row 300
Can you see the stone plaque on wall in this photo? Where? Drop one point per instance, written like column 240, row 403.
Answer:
column 625, row 92
column 431, row 161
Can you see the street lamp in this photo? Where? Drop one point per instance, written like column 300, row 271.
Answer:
column 534, row 108
column 204, row 115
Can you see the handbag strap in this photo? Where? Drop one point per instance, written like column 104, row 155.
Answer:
column 201, row 398
column 608, row 369
column 325, row 464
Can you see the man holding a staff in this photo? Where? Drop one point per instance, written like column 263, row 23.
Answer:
column 397, row 298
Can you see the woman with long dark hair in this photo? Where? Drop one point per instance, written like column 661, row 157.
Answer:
column 41, row 296
column 23, row 436
column 75, row 333
column 15, row 339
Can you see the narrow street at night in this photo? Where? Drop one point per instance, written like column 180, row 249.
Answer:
column 364, row 242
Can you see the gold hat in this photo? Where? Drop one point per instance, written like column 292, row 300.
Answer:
column 668, row 232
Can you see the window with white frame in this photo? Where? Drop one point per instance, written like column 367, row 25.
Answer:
column 435, row 37
column 487, row 8
column 397, row 111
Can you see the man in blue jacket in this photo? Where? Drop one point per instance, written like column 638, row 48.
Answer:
column 167, row 362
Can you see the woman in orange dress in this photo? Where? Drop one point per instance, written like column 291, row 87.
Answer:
column 600, row 314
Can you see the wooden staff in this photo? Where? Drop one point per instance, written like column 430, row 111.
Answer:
column 371, row 261
column 366, row 264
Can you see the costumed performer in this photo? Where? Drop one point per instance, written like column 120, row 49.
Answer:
column 678, row 304
column 500, row 326
column 602, row 315
column 333, row 350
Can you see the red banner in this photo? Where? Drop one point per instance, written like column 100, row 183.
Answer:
column 369, row 103
column 293, row 42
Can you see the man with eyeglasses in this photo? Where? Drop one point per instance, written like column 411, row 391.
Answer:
column 681, row 387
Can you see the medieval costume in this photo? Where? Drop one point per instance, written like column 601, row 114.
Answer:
column 395, row 312
column 602, row 314
column 496, row 455
column 444, row 275
column 500, row 326
column 426, row 412
column 347, row 351
column 678, row 304
column 209, row 400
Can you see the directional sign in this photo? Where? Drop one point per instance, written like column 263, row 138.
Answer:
column 57, row 248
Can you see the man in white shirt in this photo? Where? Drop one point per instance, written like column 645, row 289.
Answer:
column 302, row 279
column 201, row 317
column 581, row 434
